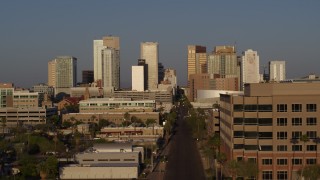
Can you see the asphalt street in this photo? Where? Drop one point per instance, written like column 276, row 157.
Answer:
column 184, row 161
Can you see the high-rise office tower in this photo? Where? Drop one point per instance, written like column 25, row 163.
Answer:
column 160, row 72
column 106, row 61
column 149, row 51
column 138, row 78
column 197, row 60
column 250, row 67
column 277, row 70
column 223, row 61
column 142, row 62
column 62, row 73
column 87, row 76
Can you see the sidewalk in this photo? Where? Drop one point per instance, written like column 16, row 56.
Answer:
column 159, row 170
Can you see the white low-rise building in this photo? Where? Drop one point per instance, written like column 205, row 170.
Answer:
column 105, row 161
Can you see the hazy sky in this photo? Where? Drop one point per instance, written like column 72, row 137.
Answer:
column 34, row 32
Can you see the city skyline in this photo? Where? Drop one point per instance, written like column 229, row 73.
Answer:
column 33, row 33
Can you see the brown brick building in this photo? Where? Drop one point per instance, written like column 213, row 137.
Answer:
column 261, row 124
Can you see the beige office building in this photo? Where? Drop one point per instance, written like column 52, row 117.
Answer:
column 62, row 73
column 277, row 71
column 250, row 67
column 197, row 60
column 223, row 61
column 149, row 51
column 261, row 124
column 106, row 62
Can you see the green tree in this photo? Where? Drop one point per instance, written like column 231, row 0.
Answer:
column 48, row 169
column 150, row 122
column 93, row 117
column 208, row 152
column 232, row 167
column 248, row 169
column 34, row 149
column 316, row 141
column 66, row 124
column 126, row 116
column 214, row 142
column 221, row 159
column 54, row 120
column 73, row 119
column 153, row 122
column 103, row 123
column 311, row 172
column 77, row 138
column 4, row 124
column 28, row 166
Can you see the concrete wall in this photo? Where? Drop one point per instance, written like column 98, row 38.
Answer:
column 77, row 172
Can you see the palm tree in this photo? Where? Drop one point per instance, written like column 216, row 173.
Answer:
column 151, row 121
column 304, row 138
column 293, row 141
column 317, row 141
column 221, row 158
column 233, row 168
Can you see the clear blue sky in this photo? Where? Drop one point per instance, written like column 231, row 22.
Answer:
column 34, row 32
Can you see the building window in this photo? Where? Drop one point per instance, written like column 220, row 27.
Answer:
column 296, row 147
column 265, row 135
column 114, row 159
column 237, row 107
column 250, row 135
column 296, row 134
column 238, row 146
column 239, row 158
column 296, row 107
column 296, row 121
column 266, row 148
column 254, row 160
column 265, row 108
column 296, row 161
column 282, row 161
column 281, row 121
column 311, row 121
column 282, row 175
column 282, row 135
column 238, row 134
column 312, row 161
column 311, row 147
column 281, row 108
column 267, row 175
column 282, row 148
column 267, row 161
column 265, row 121
column 128, row 159
column 311, row 107
column 250, row 121
column 88, row 160
column 250, row 108
column 312, row 134
column 237, row 121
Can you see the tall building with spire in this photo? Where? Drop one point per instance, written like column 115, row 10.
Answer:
column 106, row 62
column 149, row 51
column 197, row 60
